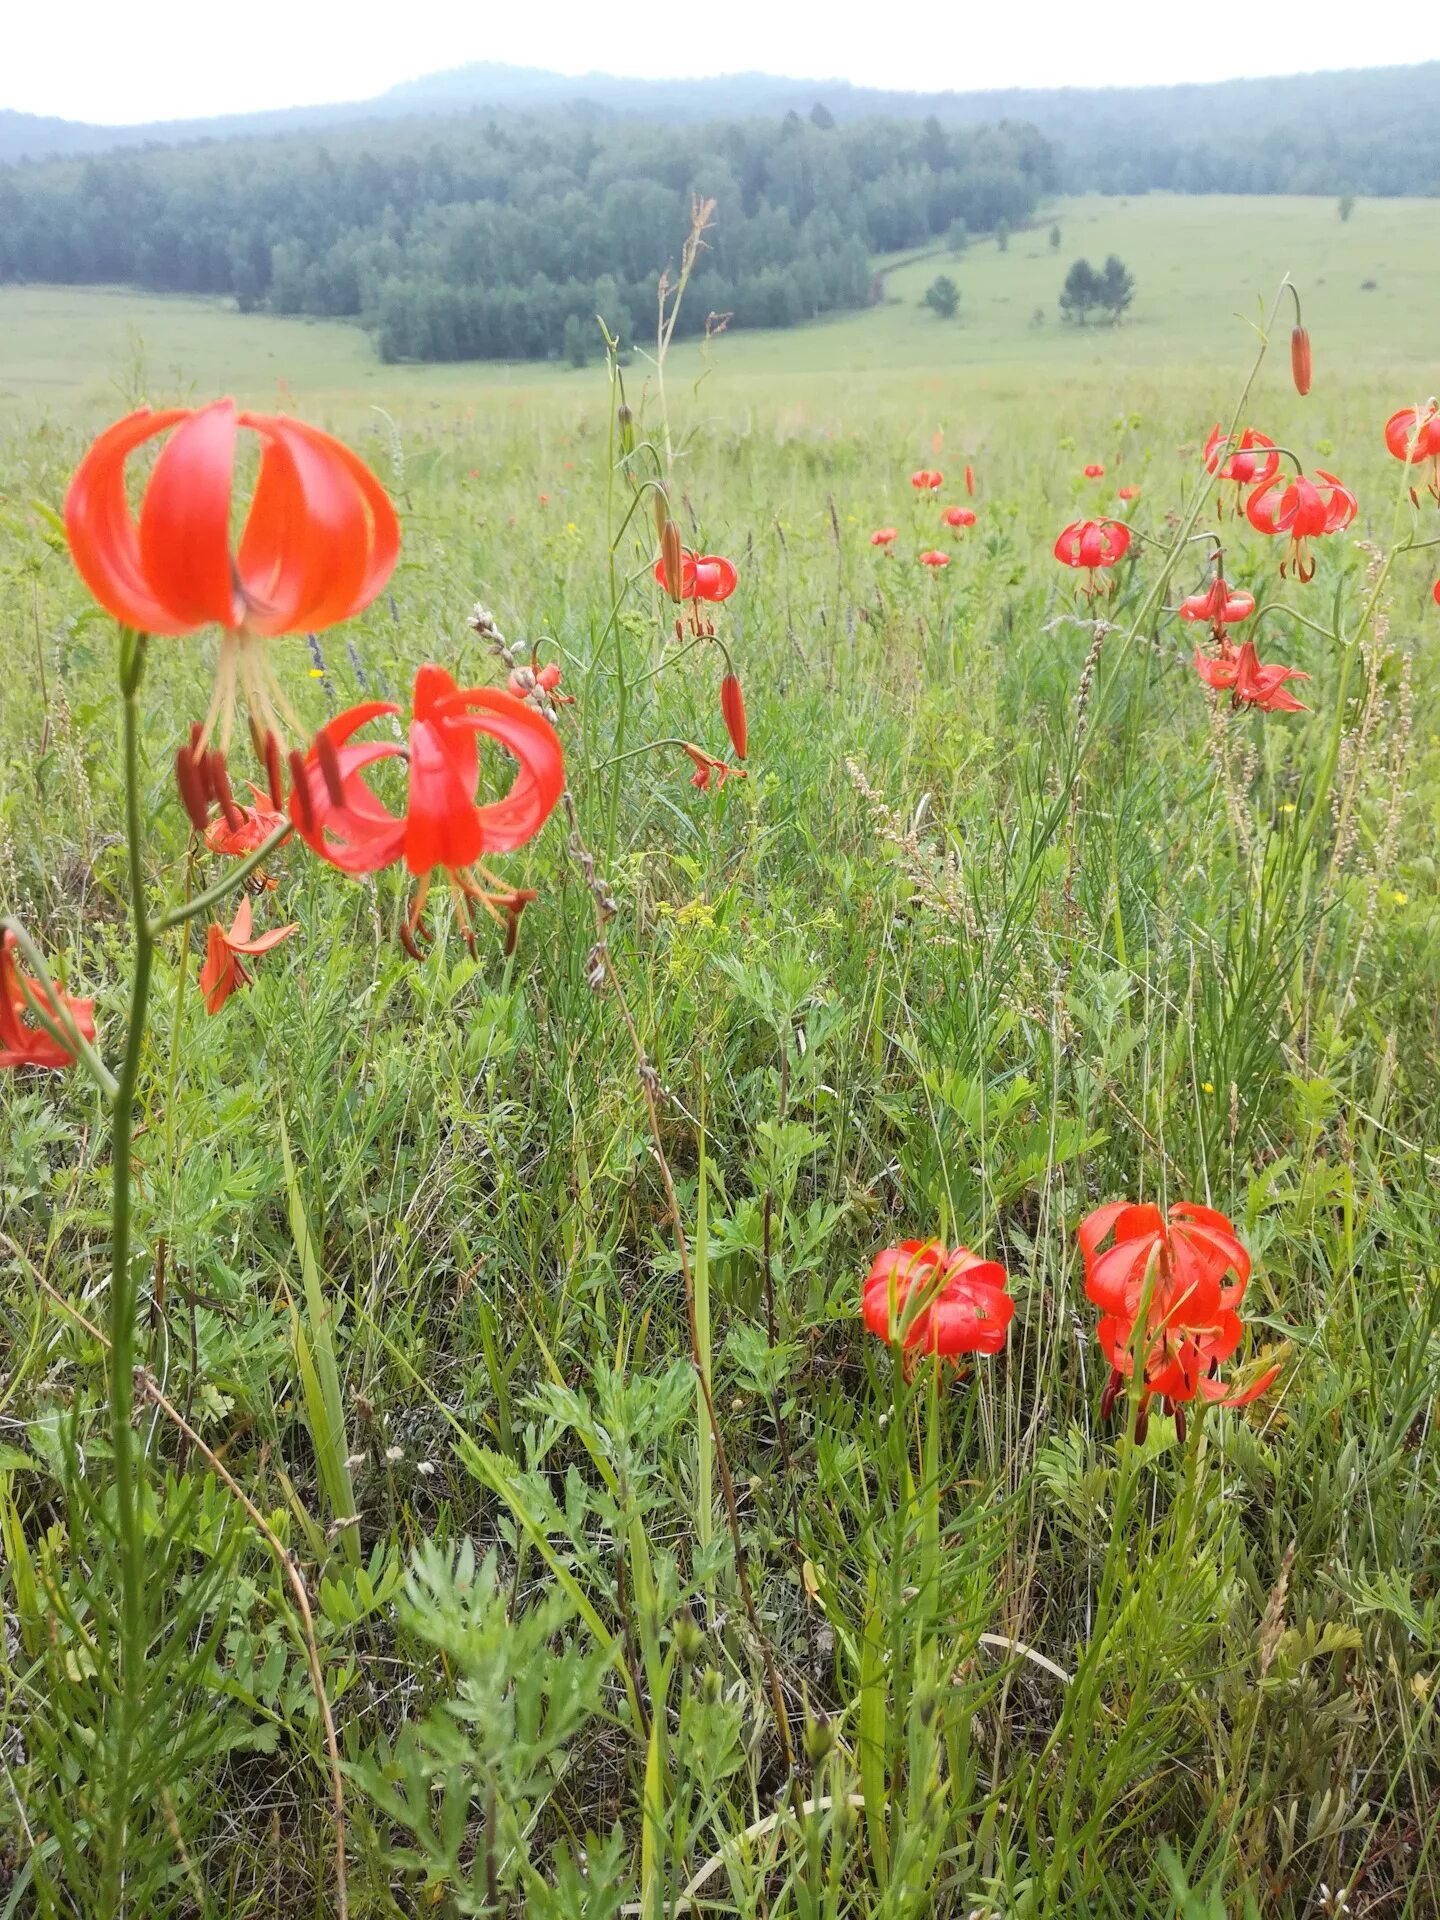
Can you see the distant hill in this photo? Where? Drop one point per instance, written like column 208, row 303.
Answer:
column 1371, row 130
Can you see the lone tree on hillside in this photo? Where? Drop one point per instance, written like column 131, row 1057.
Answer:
column 942, row 296
column 1117, row 287
column 1086, row 291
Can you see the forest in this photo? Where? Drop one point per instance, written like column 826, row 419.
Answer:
column 503, row 238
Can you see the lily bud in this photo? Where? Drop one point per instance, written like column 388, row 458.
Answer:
column 626, row 420
column 1300, row 359
column 672, row 558
column 732, row 707
column 662, row 508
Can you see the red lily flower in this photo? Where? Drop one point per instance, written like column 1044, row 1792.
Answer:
column 963, row 1306
column 708, row 769
column 958, row 517
column 250, row 828
column 1240, row 674
column 882, row 536
column 319, row 542
column 1196, row 1271
column 338, row 816
column 933, row 557
column 1093, row 544
column 222, row 973
column 1437, row 593
column 23, row 1041
column 1264, row 687
column 732, row 709
column 1302, row 510
column 927, row 481
column 1248, row 460
column 242, row 830
column 1220, row 605
column 970, row 481
column 1413, row 435
column 703, row 576
column 1127, row 493
column 1095, row 471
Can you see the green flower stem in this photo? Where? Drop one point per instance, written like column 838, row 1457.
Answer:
column 129, row 1462
column 216, row 896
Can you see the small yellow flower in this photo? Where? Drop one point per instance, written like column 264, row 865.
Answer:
column 570, row 527
column 1400, row 899
column 317, row 673
column 1287, row 806
column 1207, row 1086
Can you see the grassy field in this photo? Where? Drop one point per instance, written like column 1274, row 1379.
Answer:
column 1007, row 919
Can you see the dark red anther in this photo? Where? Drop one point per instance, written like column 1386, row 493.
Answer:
column 409, row 942
column 192, row 789
column 329, row 761
column 1180, row 1423
column 1111, row 1393
column 301, row 810
column 274, row 771
column 1142, row 1423
column 514, row 906
column 220, row 787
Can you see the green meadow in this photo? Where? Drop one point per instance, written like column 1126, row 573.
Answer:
column 504, row 1400
column 1369, row 286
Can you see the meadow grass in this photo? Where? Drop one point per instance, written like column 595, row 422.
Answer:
column 956, row 957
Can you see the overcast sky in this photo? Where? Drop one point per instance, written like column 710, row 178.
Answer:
column 177, row 59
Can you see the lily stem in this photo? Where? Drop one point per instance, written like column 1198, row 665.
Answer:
column 214, row 896
column 128, row 1458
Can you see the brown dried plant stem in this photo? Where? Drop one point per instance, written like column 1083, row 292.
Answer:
column 602, row 970
column 148, row 1389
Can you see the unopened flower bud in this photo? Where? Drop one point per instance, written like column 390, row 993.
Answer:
column 732, row 707
column 672, row 558
column 1300, row 359
column 819, row 1739
column 688, row 1639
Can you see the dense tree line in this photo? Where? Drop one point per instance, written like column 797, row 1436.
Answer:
column 459, row 238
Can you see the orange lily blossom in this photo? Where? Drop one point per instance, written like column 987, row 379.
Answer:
column 339, row 817
column 222, row 973
column 319, row 542
column 961, row 1302
column 24, row 1042
column 1186, row 1271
